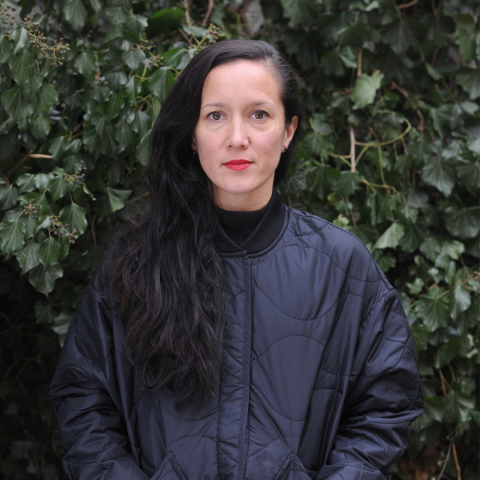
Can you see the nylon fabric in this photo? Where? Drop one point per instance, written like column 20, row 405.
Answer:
column 327, row 377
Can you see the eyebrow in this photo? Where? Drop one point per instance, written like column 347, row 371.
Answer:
column 222, row 105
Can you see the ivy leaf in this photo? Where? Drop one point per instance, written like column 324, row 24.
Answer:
column 161, row 82
column 25, row 182
column 294, row 184
column 47, row 96
column 117, row 15
column 365, row 89
column 49, row 252
column 12, row 236
column 462, row 222
column 22, row 67
column 114, row 32
column 8, row 196
column 61, row 325
column 469, row 79
column 414, row 236
column 58, row 187
column 446, row 353
column 469, row 174
column 324, row 180
column 440, row 175
column 402, row 35
column 433, row 309
column 391, row 237
column 465, row 40
column 460, row 301
column 420, row 336
column 336, row 62
column 133, row 88
column 75, row 13
column 441, row 26
column 348, row 183
column 58, row 146
column 115, row 104
column 5, row 49
column 453, row 249
column 44, row 313
column 298, row 11
column 74, row 216
column 40, row 127
column 85, row 63
column 355, row 35
column 43, row 279
column 28, row 257
column 457, row 407
column 117, row 79
column 117, row 198
column 141, row 152
column 319, row 144
column 164, row 21
column 17, row 103
column 134, row 58
column 305, row 45
column 41, row 181
column 20, row 38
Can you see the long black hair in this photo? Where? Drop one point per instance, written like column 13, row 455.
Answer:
column 167, row 271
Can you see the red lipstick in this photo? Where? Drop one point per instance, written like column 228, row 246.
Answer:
column 240, row 164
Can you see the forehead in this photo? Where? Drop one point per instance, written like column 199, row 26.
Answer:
column 242, row 80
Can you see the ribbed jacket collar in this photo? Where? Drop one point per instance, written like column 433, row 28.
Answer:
column 264, row 234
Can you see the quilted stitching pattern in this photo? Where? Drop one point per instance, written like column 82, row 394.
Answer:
column 327, row 380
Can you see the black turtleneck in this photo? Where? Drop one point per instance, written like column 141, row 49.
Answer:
column 240, row 225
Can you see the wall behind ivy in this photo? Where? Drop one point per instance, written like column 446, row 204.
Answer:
column 390, row 152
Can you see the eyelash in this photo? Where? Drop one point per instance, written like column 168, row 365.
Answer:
column 263, row 112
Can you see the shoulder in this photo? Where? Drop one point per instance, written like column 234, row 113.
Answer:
column 345, row 250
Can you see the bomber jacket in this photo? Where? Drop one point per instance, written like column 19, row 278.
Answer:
column 325, row 380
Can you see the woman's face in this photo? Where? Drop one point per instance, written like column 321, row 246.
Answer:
column 242, row 118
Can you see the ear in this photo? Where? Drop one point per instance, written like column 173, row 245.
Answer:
column 290, row 130
column 194, row 143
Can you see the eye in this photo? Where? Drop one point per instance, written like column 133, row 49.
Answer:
column 260, row 114
column 215, row 115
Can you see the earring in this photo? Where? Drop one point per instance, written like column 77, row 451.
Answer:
column 285, row 149
column 194, row 152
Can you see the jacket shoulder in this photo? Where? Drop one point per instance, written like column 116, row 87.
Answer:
column 344, row 249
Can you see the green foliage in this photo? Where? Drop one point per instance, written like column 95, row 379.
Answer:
column 390, row 152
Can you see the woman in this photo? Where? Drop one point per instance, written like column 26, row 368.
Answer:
column 227, row 336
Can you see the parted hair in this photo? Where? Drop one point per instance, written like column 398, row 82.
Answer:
column 166, row 271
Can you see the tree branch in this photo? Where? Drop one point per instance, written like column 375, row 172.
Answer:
column 211, row 6
column 352, row 147
column 407, row 5
column 19, row 164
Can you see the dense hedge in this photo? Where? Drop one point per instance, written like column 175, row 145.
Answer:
column 391, row 153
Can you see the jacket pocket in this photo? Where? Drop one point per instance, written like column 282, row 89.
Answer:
column 169, row 470
column 292, row 469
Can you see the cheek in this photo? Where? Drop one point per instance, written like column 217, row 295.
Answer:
column 272, row 142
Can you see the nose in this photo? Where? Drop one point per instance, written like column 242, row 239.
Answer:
column 237, row 134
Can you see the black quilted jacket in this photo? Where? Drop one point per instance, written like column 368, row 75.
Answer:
column 327, row 378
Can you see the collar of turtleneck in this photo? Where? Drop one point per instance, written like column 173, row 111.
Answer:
column 253, row 231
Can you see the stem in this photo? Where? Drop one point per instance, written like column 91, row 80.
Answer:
column 407, row 5
column 211, row 6
column 445, row 463
column 359, row 64
column 20, row 163
column 352, row 148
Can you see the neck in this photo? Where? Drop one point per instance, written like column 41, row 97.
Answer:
column 243, row 202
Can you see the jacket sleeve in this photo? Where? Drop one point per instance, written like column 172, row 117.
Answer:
column 85, row 398
column 384, row 396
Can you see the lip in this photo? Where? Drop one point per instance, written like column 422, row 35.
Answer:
column 240, row 164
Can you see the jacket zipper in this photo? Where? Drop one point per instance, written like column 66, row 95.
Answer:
column 247, row 347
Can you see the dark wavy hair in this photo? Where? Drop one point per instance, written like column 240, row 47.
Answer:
column 167, row 273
